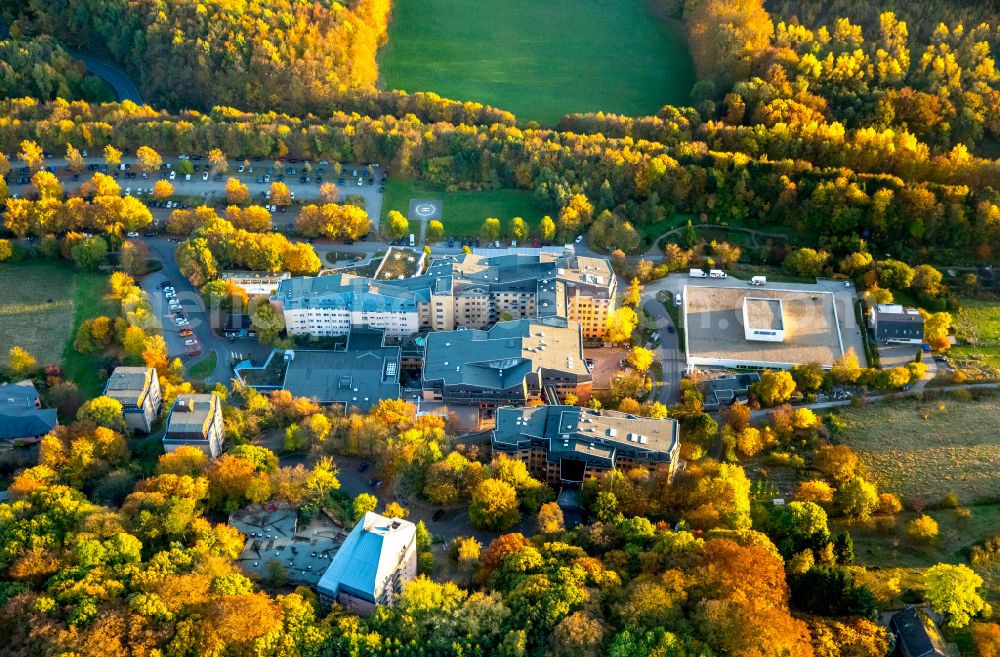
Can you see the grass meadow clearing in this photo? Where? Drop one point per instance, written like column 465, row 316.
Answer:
column 978, row 329
column 36, row 308
column 463, row 212
column 539, row 60
column 925, row 449
column 979, row 322
column 42, row 304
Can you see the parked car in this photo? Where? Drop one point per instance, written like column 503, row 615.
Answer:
column 190, row 343
column 185, row 332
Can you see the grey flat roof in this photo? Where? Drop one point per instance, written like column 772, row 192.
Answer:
column 344, row 291
column 581, row 428
column 129, row 385
column 358, row 377
column 764, row 313
column 191, row 414
column 503, row 355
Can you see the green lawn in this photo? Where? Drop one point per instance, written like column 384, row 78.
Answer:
column 979, row 322
column 987, row 354
column 91, row 299
column 203, row 368
column 540, row 60
column 876, row 545
column 463, row 212
column 924, row 449
column 42, row 304
column 36, row 308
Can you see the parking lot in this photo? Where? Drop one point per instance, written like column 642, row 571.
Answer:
column 303, row 179
column 607, row 363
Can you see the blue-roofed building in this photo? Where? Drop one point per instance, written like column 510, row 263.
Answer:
column 917, row 635
column 22, row 417
column 376, row 560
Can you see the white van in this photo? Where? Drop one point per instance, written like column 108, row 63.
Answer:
column 678, row 299
column 413, row 239
column 716, row 273
column 758, row 280
column 697, row 273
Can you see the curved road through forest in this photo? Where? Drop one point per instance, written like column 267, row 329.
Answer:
column 124, row 88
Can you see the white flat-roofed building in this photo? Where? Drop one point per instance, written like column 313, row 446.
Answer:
column 376, row 560
column 137, row 389
column 453, row 291
column 763, row 319
column 332, row 305
column 195, row 420
column 736, row 328
column 255, row 283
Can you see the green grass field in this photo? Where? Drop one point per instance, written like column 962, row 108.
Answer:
column 36, row 308
column 924, row 449
column 42, row 304
column 979, row 322
column 540, row 60
column 203, row 368
column 889, row 546
column 90, row 300
column 464, row 212
column 978, row 325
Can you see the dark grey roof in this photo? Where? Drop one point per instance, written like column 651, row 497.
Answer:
column 503, row 356
column 599, row 434
column 918, row 635
column 192, row 414
column 28, row 424
column 129, row 385
column 359, row 377
column 727, row 389
column 897, row 313
column 19, row 416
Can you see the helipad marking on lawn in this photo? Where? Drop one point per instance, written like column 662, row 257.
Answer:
column 425, row 209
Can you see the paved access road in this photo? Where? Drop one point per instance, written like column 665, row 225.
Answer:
column 224, row 348
column 124, row 88
column 668, row 354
